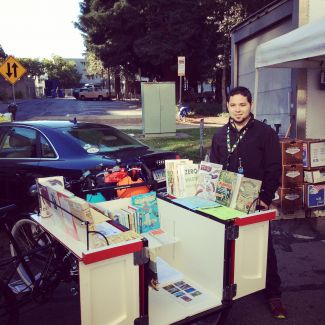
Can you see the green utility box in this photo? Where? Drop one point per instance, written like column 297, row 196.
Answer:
column 158, row 108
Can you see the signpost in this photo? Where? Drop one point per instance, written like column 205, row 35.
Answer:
column 12, row 70
column 181, row 73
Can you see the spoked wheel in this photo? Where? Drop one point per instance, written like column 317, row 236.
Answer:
column 8, row 306
column 35, row 246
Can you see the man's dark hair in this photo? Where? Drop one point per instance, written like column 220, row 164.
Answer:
column 240, row 91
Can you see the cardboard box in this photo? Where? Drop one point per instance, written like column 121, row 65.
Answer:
column 292, row 175
column 313, row 153
column 289, row 200
column 314, row 195
column 314, row 176
column 292, row 151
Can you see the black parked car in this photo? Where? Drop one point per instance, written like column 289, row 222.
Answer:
column 33, row 149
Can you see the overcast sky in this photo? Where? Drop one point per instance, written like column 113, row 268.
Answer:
column 40, row 28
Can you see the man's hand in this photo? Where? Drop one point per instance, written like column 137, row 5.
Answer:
column 261, row 205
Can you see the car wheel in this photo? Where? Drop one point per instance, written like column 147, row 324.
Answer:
column 82, row 97
column 100, row 98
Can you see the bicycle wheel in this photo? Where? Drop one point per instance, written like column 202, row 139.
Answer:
column 8, row 306
column 36, row 248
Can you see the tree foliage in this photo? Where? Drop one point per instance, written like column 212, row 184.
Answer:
column 34, row 67
column 148, row 35
column 64, row 70
column 2, row 54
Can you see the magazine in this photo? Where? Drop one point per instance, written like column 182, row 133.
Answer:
column 208, row 176
column 226, row 188
column 187, row 179
column 237, row 191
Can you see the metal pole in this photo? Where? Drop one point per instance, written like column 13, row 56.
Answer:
column 180, row 91
column 13, row 94
column 201, row 137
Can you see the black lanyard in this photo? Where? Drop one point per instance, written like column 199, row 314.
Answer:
column 231, row 148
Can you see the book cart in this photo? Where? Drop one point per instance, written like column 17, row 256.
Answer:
column 222, row 260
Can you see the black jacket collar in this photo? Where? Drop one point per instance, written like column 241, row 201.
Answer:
column 247, row 126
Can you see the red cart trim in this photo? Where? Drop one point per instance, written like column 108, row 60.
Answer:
column 255, row 218
column 112, row 252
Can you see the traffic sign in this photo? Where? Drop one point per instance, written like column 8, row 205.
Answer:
column 12, row 70
column 181, row 66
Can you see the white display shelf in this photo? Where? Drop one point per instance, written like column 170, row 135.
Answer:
column 166, row 309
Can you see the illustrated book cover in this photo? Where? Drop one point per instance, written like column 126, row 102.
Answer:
column 208, row 176
column 172, row 183
column 146, row 211
column 248, row 193
column 187, row 179
column 237, row 191
column 227, row 188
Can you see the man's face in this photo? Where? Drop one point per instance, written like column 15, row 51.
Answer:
column 239, row 109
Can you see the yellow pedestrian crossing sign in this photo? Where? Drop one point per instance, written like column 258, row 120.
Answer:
column 12, row 70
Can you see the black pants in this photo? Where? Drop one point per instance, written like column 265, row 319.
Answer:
column 273, row 281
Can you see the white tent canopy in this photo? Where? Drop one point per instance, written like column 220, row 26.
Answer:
column 303, row 47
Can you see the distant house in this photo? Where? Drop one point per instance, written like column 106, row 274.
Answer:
column 86, row 78
column 24, row 88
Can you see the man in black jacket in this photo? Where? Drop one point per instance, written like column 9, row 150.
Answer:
column 250, row 147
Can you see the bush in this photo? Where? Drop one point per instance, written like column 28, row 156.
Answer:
column 206, row 109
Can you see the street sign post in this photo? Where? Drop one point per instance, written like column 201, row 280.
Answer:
column 12, row 70
column 181, row 73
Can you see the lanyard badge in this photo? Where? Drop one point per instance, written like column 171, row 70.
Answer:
column 232, row 148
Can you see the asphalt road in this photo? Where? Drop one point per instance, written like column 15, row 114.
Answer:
column 116, row 113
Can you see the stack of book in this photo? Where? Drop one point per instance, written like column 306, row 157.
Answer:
column 141, row 215
column 237, row 191
column 181, row 177
column 209, row 182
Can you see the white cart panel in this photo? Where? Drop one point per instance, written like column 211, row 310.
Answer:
column 110, row 291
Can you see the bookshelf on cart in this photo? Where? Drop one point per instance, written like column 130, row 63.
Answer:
column 202, row 263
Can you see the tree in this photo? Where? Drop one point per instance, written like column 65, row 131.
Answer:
column 34, row 67
column 64, row 70
column 149, row 35
column 2, row 54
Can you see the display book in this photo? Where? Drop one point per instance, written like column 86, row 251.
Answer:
column 141, row 215
column 237, row 191
column 185, row 178
column 208, row 177
column 181, row 177
column 76, row 217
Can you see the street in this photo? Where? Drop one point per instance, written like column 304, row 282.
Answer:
column 299, row 242
column 68, row 108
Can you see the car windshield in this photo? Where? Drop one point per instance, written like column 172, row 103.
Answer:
column 101, row 140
